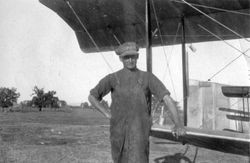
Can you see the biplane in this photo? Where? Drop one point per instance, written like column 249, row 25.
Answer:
column 102, row 25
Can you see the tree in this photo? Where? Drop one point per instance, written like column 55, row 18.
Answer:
column 51, row 100
column 42, row 99
column 85, row 105
column 38, row 99
column 8, row 97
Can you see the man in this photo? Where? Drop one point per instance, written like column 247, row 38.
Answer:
column 130, row 120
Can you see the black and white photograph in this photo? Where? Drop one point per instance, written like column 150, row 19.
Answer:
column 125, row 81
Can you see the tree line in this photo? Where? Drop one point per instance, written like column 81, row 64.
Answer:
column 40, row 98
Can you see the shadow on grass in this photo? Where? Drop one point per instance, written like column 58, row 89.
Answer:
column 34, row 136
column 177, row 158
column 55, row 141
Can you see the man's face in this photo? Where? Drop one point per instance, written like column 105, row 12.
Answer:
column 129, row 61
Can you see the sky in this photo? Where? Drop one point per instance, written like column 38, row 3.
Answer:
column 37, row 48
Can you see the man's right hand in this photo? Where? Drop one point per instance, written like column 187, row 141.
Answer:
column 99, row 106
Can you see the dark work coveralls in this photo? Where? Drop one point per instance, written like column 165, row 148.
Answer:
column 130, row 115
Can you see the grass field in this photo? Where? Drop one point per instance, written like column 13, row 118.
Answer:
column 81, row 136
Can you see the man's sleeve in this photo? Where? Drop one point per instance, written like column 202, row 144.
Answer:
column 156, row 87
column 102, row 88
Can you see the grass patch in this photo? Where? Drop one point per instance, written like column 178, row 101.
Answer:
column 75, row 136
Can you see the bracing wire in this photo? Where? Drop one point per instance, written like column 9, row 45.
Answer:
column 242, row 53
column 136, row 13
column 216, row 21
column 237, row 102
column 246, row 55
column 247, row 51
column 224, row 67
column 86, row 30
column 158, row 26
column 117, row 40
column 214, row 8
column 171, row 52
column 221, row 39
column 177, row 31
column 224, row 10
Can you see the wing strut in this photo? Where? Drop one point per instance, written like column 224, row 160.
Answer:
column 148, row 40
column 184, row 71
column 148, row 37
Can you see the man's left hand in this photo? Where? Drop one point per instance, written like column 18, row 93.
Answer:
column 178, row 131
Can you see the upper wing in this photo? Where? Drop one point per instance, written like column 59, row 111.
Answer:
column 110, row 22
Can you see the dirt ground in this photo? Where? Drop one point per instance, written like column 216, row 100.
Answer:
column 82, row 136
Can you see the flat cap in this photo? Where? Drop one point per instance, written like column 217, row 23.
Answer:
column 128, row 48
